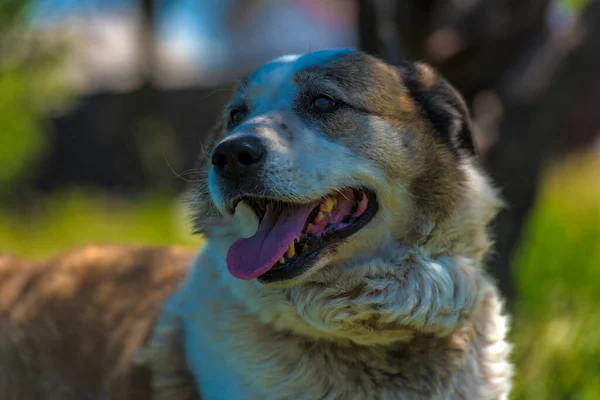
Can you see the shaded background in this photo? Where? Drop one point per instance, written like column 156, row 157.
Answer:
column 104, row 105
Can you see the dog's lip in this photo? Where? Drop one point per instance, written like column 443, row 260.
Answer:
column 317, row 246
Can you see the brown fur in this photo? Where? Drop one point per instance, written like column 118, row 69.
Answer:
column 69, row 326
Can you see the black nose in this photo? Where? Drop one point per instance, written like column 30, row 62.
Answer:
column 238, row 158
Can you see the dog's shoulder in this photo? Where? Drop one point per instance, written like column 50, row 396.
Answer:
column 70, row 325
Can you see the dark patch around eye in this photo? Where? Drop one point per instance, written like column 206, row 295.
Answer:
column 236, row 116
column 323, row 103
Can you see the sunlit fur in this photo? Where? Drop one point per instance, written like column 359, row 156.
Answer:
column 70, row 325
column 403, row 309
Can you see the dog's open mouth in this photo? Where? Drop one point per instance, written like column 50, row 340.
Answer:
column 291, row 237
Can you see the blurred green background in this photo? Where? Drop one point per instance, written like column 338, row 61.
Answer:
column 103, row 107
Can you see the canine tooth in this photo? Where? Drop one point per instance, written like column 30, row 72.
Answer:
column 246, row 219
column 309, row 228
column 281, row 260
column 320, row 217
column 291, row 251
column 328, row 205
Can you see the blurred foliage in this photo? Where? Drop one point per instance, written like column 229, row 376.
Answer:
column 30, row 87
column 576, row 5
column 557, row 343
column 10, row 11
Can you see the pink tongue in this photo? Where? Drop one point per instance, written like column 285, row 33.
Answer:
column 252, row 257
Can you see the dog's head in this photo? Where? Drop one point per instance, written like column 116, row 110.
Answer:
column 331, row 157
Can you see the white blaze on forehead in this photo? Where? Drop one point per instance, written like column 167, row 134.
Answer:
column 274, row 83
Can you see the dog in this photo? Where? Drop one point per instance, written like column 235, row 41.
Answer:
column 346, row 221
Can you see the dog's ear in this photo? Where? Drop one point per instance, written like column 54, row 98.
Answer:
column 441, row 104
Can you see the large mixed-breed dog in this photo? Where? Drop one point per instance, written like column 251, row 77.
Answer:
column 345, row 219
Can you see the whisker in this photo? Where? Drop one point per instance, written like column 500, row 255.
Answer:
column 213, row 92
column 192, row 170
column 352, row 179
column 180, row 176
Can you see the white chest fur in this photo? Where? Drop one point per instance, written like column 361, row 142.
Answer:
column 233, row 355
column 208, row 357
column 215, row 377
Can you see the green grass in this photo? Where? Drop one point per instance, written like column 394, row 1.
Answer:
column 556, row 330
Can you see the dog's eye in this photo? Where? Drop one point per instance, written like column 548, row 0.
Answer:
column 323, row 104
column 236, row 116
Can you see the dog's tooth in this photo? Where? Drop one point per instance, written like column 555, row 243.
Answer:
column 291, row 251
column 309, row 228
column 246, row 219
column 281, row 260
column 328, row 205
column 320, row 217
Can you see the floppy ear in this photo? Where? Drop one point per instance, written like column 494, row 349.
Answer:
column 440, row 104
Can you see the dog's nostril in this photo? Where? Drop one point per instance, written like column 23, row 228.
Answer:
column 250, row 156
column 219, row 160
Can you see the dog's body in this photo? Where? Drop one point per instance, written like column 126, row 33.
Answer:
column 70, row 326
column 381, row 295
